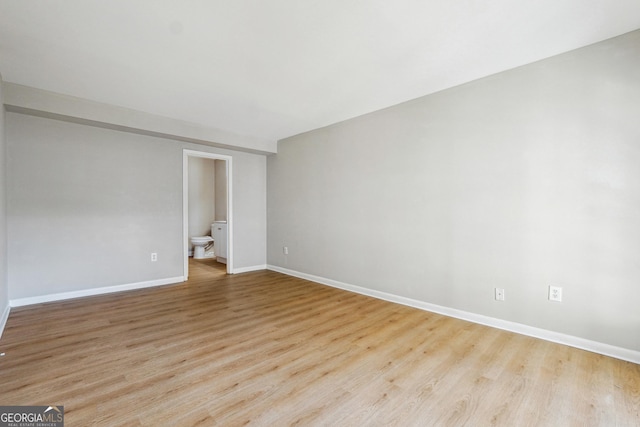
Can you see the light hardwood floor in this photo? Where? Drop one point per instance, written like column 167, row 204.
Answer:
column 271, row 350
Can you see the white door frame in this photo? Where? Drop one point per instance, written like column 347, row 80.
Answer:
column 185, row 204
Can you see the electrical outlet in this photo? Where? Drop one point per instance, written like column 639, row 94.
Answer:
column 154, row 257
column 555, row 293
column 285, row 250
column 499, row 294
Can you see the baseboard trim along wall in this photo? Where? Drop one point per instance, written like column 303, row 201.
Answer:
column 556, row 337
column 250, row 268
column 19, row 302
column 4, row 318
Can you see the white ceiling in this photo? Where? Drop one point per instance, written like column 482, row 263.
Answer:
column 275, row 68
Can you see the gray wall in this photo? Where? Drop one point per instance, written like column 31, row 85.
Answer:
column 87, row 206
column 202, row 196
column 220, row 190
column 249, row 210
column 520, row 180
column 4, row 288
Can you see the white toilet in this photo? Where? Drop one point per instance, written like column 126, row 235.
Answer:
column 199, row 243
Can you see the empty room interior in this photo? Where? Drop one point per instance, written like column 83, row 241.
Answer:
column 338, row 213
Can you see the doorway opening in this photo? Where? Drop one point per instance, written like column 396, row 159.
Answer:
column 227, row 161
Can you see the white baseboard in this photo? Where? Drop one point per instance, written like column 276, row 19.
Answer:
column 3, row 319
column 248, row 269
column 570, row 340
column 19, row 302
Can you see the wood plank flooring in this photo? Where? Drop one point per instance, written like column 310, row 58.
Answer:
column 266, row 349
